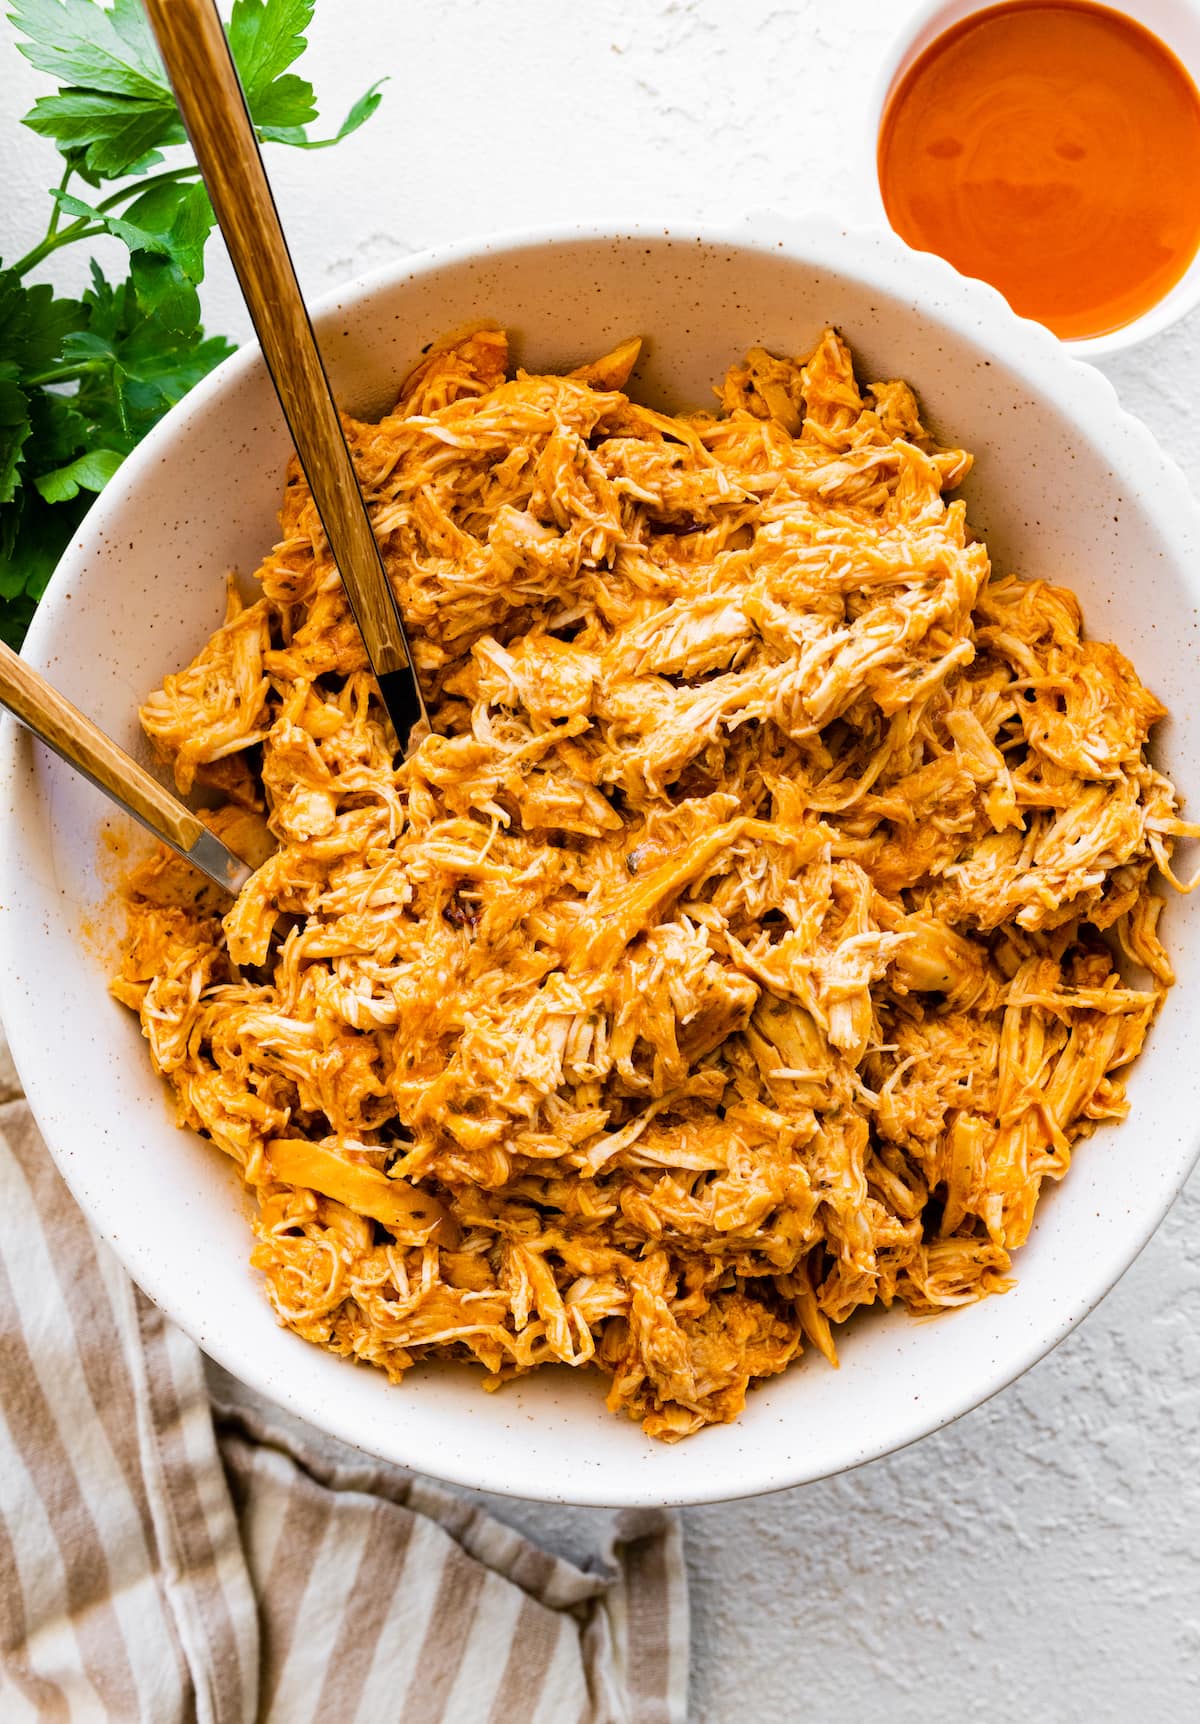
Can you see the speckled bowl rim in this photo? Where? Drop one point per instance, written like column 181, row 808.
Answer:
column 876, row 257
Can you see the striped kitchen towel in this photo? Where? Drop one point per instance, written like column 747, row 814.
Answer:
column 160, row 1564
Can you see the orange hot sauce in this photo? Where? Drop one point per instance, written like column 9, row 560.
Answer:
column 1051, row 147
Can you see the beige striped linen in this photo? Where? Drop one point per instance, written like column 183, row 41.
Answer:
column 162, row 1561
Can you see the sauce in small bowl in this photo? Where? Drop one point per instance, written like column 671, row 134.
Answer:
column 1052, row 148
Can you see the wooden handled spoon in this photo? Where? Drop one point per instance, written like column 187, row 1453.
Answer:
column 82, row 745
column 210, row 99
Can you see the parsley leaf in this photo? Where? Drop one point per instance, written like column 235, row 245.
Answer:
column 82, row 381
column 116, row 110
column 14, row 429
column 116, row 134
column 267, row 36
column 33, row 324
column 165, row 229
column 33, row 536
column 80, row 43
column 139, row 369
column 59, row 430
column 265, row 39
column 359, row 114
column 90, row 471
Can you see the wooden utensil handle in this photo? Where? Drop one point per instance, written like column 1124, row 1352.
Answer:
column 210, row 99
column 64, row 729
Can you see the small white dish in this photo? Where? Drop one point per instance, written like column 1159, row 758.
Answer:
column 1175, row 22
column 1067, row 487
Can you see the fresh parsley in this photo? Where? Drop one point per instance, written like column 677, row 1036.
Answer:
column 82, row 380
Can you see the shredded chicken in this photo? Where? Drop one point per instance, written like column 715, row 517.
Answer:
column 739, row 953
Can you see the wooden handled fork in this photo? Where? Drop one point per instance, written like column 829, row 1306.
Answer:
column 214, row 111
column 62, row 727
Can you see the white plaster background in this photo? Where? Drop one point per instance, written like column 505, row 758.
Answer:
column 1040, row 1560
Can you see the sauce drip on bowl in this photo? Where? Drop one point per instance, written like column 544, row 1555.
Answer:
column 1051, row 147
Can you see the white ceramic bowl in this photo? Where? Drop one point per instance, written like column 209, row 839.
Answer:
column 1175, row 22
column 1066, row 487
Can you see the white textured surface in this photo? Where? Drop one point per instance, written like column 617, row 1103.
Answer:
column 1041, row 1557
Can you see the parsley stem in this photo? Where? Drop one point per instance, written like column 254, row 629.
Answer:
column 54, row 242
column 84, row 228
column 56, row 207
column 66, row 373
column 137, row 187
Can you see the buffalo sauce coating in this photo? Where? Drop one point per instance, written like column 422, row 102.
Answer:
column 1054, row 151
